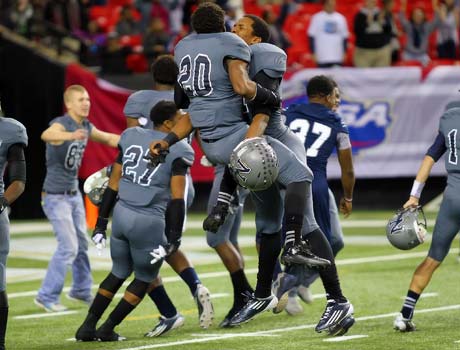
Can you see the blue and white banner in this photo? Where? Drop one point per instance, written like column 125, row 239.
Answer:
column 392, row 114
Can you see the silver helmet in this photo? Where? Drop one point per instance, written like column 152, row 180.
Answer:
column 96, row 184
column 404, row 230
column 254, row 164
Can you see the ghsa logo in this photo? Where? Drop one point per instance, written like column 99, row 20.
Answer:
column 367, row 123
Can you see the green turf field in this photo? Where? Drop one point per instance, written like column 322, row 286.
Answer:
column 374, row 277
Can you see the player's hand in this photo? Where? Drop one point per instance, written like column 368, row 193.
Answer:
column 159, row 149
column 411, row 202
column 158, row 254
column 79, row 134
column 204, row 161
column 3, row 204
column 345, row 207
column 99, row 238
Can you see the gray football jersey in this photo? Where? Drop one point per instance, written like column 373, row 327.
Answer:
column 141, row 102
column 449, row 126
column 142, row 187
column 214, row 108
column 63, row 161
column 271, row 60
column 11, row 132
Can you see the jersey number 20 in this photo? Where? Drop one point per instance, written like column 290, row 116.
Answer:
column 195, row 77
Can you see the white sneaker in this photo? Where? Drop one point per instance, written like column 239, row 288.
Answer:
column 205, row 308
column 293, row 306
column 403, row 324
column 305, row 294
column 50, row 307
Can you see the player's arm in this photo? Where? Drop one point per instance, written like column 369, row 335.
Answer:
column 437, row 149
column 56, row 134
column 132, row 122
column 106, row 138
column 17, row 175
column 345, row 158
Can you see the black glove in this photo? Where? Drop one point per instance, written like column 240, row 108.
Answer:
column 3, row 204
column 99, row 236
column 154, row 160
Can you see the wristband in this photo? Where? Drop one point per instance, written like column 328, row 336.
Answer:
column 171, row 138
column 348, row 199
column 417, row 188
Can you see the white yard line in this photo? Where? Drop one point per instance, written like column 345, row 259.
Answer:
column 345, row 338
column 18, row 228
column 340, row 262
column 48, row 314
column 213, row 337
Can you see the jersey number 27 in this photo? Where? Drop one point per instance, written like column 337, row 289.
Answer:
column 301, row 127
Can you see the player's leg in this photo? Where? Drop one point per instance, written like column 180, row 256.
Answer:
column 337, row 242
column 169, row 317
column 59, row 212
column 141, row 242
column 122, row 267
column 81, row 270
column 445, row 229
column 4, row 250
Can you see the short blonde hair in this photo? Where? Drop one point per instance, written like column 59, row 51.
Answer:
column 71, row 89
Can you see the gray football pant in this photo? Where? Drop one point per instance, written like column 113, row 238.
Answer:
column 268, row 203
column 228, row 232
column 134, row 236
column 4, row 246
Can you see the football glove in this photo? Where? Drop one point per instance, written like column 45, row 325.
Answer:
column 99, row 236
column 3, row 204
column 158, row 254
column 154, row 160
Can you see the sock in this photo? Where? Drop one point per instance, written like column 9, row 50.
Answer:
column 118, row 314
column 97, row 308
column 190, row 277
column 320, row 246
column 409, row 304
column 277, row 270
column 3, row 317
column 163, row 302
column 269, row 250
column 240, row 284
column 294, row 207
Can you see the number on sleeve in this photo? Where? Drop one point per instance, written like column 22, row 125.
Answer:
column 453, row 159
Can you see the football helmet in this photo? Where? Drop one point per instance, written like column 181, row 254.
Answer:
column 254, row 164
column 405, row 230
column 95, row 185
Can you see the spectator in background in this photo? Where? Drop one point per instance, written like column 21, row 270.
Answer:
column 373, row 34
column 159, row 11
column 64, row 14
column 388, row 7
column 277, row 36
column 155, row 40
column 113, row 56
column 328, row 35
column 418, row 31
column 145, row 9
column 175, row 9
column 447, row 35
column 19, row 17
column 127, row 25
column 93, row 40
column 230, row 17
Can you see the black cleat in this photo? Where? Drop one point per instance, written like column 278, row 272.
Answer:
column 336, row 317
column 86, row 333
column 252, row 308
column 216, row 218
column 301, row 254
column 108, row 335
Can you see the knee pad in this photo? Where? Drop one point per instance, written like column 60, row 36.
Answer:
column 111, row 283
column 138, row 288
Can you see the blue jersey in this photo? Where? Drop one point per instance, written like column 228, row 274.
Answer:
column 318, row 127
column 215, row 109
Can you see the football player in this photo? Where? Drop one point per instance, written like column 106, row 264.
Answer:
column 447, row 224
column 212, row 79
column 13, row 140
column 137, row 110
column 148, row 197
column 66, row 140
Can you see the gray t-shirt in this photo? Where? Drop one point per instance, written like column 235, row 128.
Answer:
column 11, row 132
column 271, row 60
column 449, row 126
column 63, row 161
column 141, row 102
column 143, row 188
column 215, row 109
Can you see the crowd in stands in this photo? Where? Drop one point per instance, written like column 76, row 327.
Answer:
column 124, row 36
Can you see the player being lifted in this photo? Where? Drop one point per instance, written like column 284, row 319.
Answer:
column 213, row 77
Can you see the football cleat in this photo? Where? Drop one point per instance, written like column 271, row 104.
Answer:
column 301, row 254
column 205, row 308
column 333, row 315
column 226, row 321
column 216, row 218
column 293, row 306
column 50, row 307
column 165, row 325
column 108, row 335
column 342, row 327
column 86, row 333
column 252, row 308
column 403, row 324
column 280, row 288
